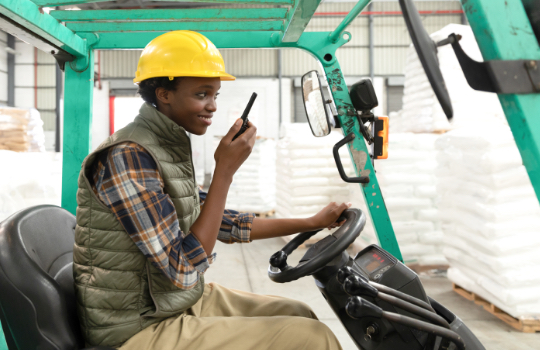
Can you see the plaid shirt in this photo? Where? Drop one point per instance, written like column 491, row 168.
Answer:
column 127, row 180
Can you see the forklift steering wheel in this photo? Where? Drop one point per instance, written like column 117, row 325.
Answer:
column 323, row 252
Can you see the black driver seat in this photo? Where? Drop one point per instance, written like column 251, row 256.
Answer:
column 37, row 297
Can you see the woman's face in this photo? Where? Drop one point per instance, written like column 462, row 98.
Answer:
column 192, row 104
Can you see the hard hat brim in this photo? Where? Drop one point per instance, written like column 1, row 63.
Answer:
column 221, row 75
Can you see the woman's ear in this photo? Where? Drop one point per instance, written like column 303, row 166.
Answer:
column 162, row 95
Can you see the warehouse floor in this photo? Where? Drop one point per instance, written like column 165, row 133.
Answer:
column 244, row 266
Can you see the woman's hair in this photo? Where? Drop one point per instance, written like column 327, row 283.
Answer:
column 147, row 88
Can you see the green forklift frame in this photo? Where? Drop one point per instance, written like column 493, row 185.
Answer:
column 501, row 28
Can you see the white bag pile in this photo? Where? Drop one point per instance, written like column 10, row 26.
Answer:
column 28, row 179
column 408, row 185
column 254, row 185
column 307, row 177
column 421, row 110
column 21, row 130
column 491, row 218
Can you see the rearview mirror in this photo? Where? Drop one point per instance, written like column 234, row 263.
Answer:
column 314, row 104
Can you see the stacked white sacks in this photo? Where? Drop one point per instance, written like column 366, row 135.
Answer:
column 408, row 185
column 307, row 178
column 421, row 110
column 21, row 130
column 254, row 185
column 491, row 218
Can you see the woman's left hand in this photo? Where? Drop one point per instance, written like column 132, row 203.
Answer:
column 327, row 217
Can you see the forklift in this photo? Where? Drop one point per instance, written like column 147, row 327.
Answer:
column 379, row 301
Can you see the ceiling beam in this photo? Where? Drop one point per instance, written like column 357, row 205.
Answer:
column 26, row 14
column 169, row 14
column 259, row 39
column 52, row 3
column 153, row 26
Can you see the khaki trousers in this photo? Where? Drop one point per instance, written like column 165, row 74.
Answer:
column 232, row 319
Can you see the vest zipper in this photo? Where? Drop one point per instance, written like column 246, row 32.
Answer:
column 150, row 287
column 191, row 159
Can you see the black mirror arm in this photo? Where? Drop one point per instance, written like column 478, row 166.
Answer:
column 339, row 165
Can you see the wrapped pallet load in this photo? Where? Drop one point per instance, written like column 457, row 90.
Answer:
column 307, row 178
column 491, row 218
column 408, row 185
column 408, row 175
column 254, row 184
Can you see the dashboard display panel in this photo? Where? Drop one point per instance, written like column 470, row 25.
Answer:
column 372, row 260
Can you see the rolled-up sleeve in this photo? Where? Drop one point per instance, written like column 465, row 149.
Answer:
column 129, row 183
column 235, row 226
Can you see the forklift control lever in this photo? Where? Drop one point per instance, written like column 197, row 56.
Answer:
column 356, row 286
column 358, row 307
column 347, row 271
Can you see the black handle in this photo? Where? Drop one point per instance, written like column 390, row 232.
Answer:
column 337, row 146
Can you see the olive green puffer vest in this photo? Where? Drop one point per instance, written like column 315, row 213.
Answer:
column 119, row 293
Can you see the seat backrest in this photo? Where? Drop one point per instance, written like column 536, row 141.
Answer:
column 37, row 296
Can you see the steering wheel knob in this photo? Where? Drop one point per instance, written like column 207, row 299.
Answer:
column 279, row 260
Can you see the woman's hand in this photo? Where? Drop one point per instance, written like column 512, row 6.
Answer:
column 230, row 155
column 326, row 218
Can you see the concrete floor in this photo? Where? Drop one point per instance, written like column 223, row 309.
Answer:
column 244, row 266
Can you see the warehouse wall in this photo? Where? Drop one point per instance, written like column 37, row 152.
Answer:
column 35, row 84
column 391, row 41
column 3, row 69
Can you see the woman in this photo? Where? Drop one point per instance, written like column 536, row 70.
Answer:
column 144, row 239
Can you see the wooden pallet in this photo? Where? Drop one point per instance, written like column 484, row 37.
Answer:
column 266, row 214
column 527, row 325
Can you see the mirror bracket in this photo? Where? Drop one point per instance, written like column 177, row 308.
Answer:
column 501, row 77
column 365, row 117
column 337, row 122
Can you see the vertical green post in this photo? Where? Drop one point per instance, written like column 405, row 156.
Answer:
column 78, row 93
column 358, row 150
column 503, row 32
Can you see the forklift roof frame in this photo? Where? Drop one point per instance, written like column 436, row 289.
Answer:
column 502, row 30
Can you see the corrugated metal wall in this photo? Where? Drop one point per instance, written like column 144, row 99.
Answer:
column 391, row 41
column 26, row 93
column 118, row 63
column 3, row 69
column 46, row 82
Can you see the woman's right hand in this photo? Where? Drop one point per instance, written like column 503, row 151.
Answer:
column 230, row 155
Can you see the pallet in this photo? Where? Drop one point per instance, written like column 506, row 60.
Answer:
column 527, row 325
column 266, row 214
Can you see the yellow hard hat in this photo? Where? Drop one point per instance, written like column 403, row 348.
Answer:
column 181, row 53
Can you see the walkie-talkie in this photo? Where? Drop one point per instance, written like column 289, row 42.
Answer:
column 245, row 116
